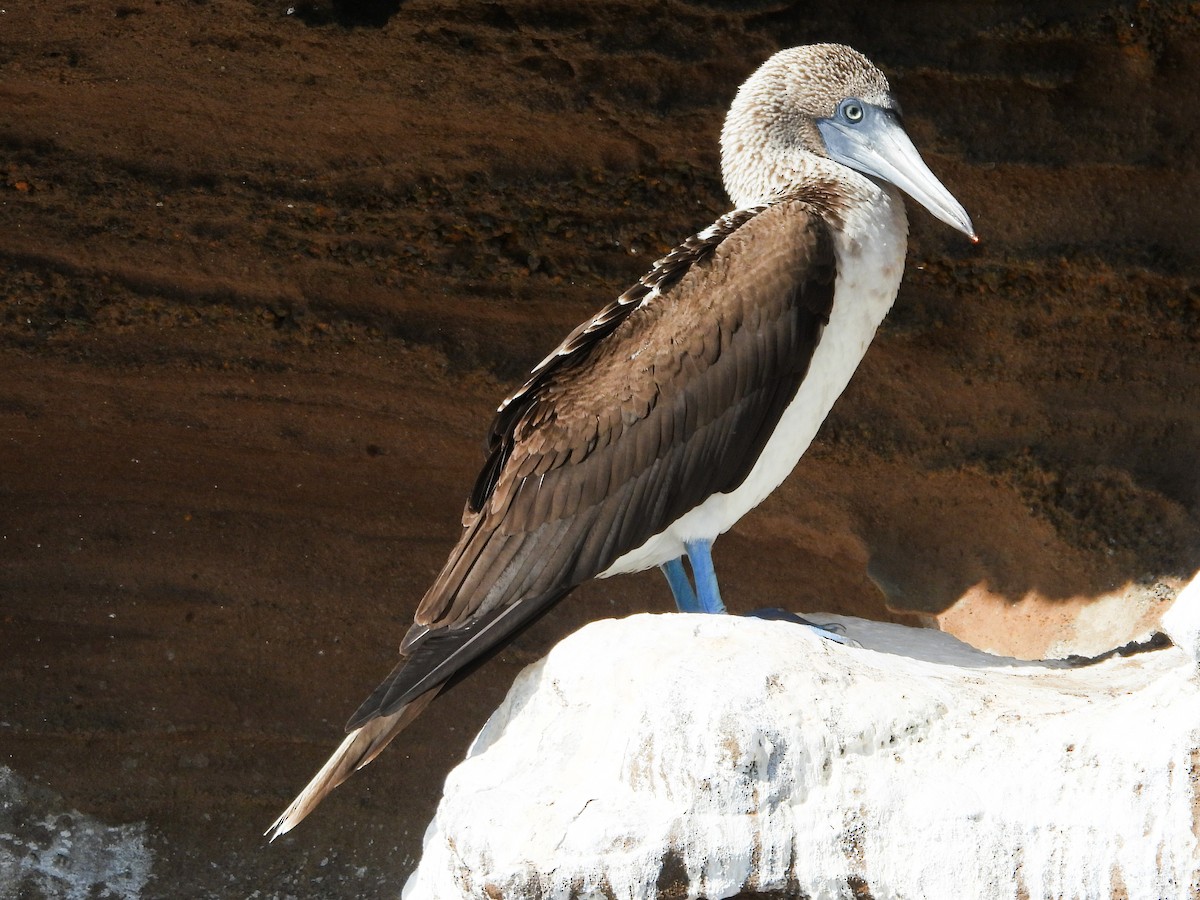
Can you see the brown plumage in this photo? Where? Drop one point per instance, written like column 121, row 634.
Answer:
column 659, row 422
column 662, row 399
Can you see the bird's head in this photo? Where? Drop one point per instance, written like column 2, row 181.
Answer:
column 826, row 101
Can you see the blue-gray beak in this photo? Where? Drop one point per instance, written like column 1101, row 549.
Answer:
column 871, row 140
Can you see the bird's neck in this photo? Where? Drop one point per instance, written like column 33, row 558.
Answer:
column 754, row 176
column 866, row 216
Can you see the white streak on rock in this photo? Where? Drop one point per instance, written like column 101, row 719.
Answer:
column 1182, row 621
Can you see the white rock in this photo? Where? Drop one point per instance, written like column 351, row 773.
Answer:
column 718, row 754
column 1182, row 621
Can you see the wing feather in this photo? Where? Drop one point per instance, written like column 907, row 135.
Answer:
column 664, row 398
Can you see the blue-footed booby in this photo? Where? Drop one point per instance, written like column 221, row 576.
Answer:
column 661, row 421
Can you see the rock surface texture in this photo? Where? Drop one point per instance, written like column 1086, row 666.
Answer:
column 48, row 850
column 714, row 756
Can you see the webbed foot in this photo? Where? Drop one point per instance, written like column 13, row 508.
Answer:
column 830, row 631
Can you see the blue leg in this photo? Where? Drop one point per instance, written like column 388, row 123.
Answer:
column 685, row 595
column 708, row 595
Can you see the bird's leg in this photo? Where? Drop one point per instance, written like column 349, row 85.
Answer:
column 708, row 595
column 681, row 587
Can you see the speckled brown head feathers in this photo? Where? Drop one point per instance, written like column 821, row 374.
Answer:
column 771, row 125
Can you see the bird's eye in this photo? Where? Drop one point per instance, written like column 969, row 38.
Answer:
column 853, row 111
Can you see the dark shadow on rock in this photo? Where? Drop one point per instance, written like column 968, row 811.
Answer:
column 941, row 648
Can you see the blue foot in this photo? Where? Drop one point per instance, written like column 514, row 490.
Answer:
column 685, row 594
column 708, row 595
column 831, row 631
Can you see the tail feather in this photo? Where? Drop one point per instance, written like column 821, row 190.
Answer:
column 360, row 747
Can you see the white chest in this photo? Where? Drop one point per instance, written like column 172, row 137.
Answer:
column 870, row 257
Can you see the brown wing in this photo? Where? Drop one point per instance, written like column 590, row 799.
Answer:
column 643, row 413
column 580, row 343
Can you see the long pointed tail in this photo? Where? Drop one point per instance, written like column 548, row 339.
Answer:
column 360, row 747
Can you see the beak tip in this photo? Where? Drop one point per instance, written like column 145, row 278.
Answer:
column 967, row 227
